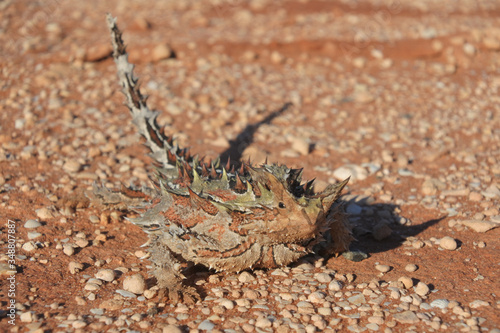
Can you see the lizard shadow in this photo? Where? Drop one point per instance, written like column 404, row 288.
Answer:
column 246, row 137
column 378, row 227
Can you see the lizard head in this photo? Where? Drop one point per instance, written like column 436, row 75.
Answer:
column 285, row 217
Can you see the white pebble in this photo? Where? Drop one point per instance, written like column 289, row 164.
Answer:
column 68, row 249
column 72, row 166
column 323, row 278
column 29, row 246
column 316, row 297
column 422, row 289
column 44, row 213
column 350, row 170
column 105, row 275
column 383, row 268
column 75, row 267
column 448, row 243
column 26, row 317
column 440, row 303
column 79, row 324
column 246, row 277
column 406, row 281
column 135, row 284
column 411, row 268
column 32, row 224
column 335, row 285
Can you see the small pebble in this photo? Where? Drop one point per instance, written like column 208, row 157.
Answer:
column 171, row 329
column 440, row 303
column 32, row 224
column 126, row 293
column 246, row 277
column 480, row 226
column 79, row 324
column 33, row 235
column 44, row 213
column 135, row 284
column 448, row 243
column 72, row 166
column 29, row 246
column 407, row 282
column 75, row 267
column 263, row 323
column 206, row 325
column 26, row 317
column 68, row 249
column 316, row 297
column 105, row 275
column 421, row 289
column 411, row 268
column 323, row 278
column 335, row 285
column 383, row 268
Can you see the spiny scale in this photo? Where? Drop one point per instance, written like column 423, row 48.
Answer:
column 230, row 217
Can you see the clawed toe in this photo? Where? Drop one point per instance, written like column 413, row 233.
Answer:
column 187, row 295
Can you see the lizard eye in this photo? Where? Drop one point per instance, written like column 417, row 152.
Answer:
column 281, row 205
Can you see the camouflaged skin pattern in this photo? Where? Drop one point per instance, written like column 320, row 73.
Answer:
column 228, row 218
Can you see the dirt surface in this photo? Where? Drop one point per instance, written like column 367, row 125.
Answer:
column 401, row 95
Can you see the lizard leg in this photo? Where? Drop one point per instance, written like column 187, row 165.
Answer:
column 167, row 270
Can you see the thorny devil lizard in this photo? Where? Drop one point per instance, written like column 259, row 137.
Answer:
column 227, row 220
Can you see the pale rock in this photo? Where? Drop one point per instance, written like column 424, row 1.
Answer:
column 406, row 281
column 448, row 243
column 421, row 289
column 462, row 192
column 406, row 317
column 478, row 303
column 479, row 225
column 335, row 285
column 171, row 329
column 68, row 249
column 323, row 278
column 107, row 275
column 26, row 317
column 98, row 52
column 32, row 224
column 301, row 146
column 491, row 43
column 411, row 268
column 383, row 268
column 29, row 246
column 357, row 299
column 140, row 23
column 316, row 297
column 72, row 166
column 469, row 49
column 431, row 186
column 263, row 323
column 44, row 213
column 161, row 51
column 350, row 170
column 75, row 267
column 135, row 284
column 475, row 196
column 246, row 277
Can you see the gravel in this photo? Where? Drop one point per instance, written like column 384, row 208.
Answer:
column 419, row 144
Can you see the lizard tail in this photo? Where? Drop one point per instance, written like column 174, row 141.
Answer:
column 162, row 149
